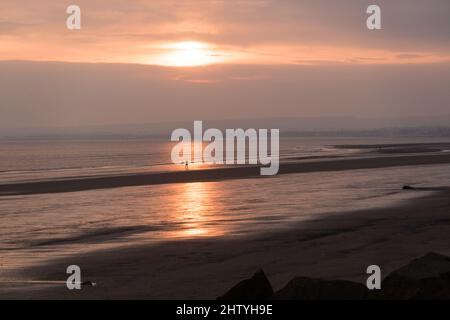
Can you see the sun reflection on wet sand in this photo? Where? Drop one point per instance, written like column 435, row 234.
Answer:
column 196, row 210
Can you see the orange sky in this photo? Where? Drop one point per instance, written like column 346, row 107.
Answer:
column 228, row 59
column 199, row 32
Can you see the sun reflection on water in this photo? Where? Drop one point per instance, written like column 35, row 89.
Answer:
column 196, row 210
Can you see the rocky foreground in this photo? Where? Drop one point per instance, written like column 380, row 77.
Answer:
column 425, row 278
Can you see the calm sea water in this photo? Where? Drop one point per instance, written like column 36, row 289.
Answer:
column 36, row 228
column 47, row 159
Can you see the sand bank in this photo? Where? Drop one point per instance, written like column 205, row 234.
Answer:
column 217, row 174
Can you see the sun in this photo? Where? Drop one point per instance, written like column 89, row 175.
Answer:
column 188, row 54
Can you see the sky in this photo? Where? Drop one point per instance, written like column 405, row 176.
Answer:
column 160, row 60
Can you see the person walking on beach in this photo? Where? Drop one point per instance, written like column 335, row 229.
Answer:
column 186, row 166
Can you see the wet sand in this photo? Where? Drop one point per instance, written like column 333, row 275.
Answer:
column 403, row 148
column 339, row 247
column 217, row 174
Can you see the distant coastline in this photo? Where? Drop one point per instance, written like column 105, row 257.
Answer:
column 162, row 131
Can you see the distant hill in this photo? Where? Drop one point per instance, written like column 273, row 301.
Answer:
column 289, row 127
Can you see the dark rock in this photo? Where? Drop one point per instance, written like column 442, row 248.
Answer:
column 425, row 278
column 302, row 288
column 257, row 287
column 408, row 188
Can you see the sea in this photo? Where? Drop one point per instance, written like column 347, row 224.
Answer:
column 38, row 228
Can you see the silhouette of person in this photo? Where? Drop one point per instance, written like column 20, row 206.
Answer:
column 186, row 165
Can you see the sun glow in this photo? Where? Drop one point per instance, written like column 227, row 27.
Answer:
column 188, row 54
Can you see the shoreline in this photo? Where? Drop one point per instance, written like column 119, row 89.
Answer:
column 216, row 174
column 333, row 247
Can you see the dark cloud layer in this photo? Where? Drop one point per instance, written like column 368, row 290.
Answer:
column 61, row 94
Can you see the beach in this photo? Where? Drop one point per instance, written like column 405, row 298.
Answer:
column 193, row 234
column 216, row 174
column 338, row 247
